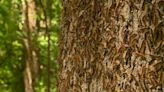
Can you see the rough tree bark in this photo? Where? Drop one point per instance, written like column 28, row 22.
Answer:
column 112, row 46
column 31, row 51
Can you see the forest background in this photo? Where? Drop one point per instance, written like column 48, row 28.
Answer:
column 15, row 34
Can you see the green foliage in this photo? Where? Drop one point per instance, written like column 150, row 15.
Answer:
column 11, row 49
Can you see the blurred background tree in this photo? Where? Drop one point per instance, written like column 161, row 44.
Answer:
column 44, row 36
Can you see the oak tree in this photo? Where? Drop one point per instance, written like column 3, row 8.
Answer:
column 112, row 46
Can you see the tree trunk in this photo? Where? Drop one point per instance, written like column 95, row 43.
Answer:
column 31, row 52
column 112, row 46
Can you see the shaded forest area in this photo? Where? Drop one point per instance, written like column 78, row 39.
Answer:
column 28, row 45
